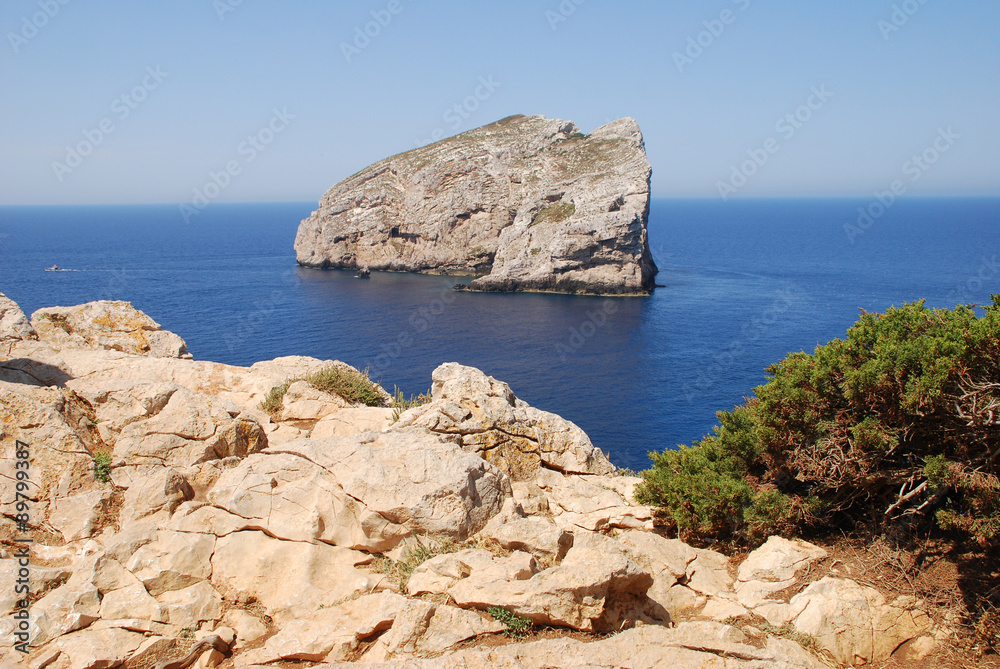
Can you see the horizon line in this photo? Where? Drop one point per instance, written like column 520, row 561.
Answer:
column 745, row 198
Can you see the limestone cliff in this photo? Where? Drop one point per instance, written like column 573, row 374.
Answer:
column 526, row 203
column 172, row 505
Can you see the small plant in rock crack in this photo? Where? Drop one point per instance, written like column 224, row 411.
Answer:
column 102, row 466
column 516, row 625
column 401, row 404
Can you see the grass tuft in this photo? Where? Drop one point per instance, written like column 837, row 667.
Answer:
column 401, row 404
column 349, row 383
column 271, row 404
column 399, row 571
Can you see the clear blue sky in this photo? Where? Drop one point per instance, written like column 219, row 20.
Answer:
column 222, row 79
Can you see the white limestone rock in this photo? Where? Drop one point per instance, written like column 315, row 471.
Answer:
column 488, row 419
column 106, row 325
column 526, row 203
column 14, row 325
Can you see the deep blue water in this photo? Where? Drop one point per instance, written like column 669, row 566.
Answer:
column 743, row 284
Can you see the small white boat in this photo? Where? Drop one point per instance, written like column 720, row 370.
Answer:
column 54, row 268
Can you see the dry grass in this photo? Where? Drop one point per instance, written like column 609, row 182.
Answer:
column 347, row 382
column 957, row 592
column 399, row 571
column 400, row 403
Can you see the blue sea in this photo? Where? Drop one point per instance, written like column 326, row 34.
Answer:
column 742, row 284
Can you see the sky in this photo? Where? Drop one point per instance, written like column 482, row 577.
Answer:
column 247, row 100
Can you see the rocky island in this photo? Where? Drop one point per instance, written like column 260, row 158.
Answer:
column 292, row 513
column 524, row 204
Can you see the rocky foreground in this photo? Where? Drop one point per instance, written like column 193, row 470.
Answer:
column 526, row 203
column 166, row 507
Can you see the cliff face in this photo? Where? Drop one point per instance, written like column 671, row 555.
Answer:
column 526, row 203
column 163, row 498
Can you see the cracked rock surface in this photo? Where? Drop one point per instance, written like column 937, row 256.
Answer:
column 166, row 505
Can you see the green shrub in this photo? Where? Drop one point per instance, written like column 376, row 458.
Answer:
column 516, row 625
column 895, row 426
column 102, row 466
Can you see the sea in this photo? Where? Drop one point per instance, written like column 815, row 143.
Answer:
column 741, row 284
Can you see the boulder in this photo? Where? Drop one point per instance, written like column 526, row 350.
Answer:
column 132, row 602
column 532, row 499
column 853, row 622
column 437, row 575
column 106, row 325
column 329, row 634
column 773, row 567
column 161, row 490
column 586, row 592
column 90, row 649
column 539, row 536
column 245, row 564
column 119, row 403
column 366, row 492
column 352, row 421
column 489, row 420
column 181, row 434
column 239, row 438
column 173, row 561
column 66, row 609
column 687, row 582
column 14, row 325
column 78, row 516
column 248, row 627
column 527, row 203
column 190, row 606
column 42, row 579
column 35, row 416
column 593, row 503
column 423, row 628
